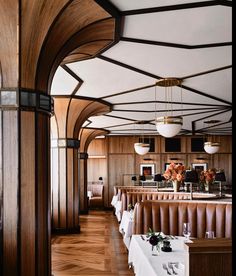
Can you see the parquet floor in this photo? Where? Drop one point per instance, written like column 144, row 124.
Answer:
column 97, row 250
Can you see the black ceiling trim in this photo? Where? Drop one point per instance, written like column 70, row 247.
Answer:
column 158, row 77
column 163, row 102
column 212, row 127
column 197, row 113
column 111, row 9
column 207, row 72
column 176, row 7
column 200, row 119
column 129, row 67
column 76, row 88
column 209, row 116
column 204, row 94
column 129, row 91
column 164, row 110
column 118, row 117
column 175, row 45
column 68, row 70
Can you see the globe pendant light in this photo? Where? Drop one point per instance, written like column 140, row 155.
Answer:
column 169, row 126
column 141, row 148
column 211, row 146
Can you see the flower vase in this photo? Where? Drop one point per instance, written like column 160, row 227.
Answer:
column 207, row 186
column 156, row 250
column 176, row 185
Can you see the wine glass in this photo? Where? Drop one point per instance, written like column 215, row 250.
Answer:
column 186, row 230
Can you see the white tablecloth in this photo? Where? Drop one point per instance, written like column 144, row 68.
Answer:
column 125, row 227
column 114, row 200
column 117, row 205
column 144, row 264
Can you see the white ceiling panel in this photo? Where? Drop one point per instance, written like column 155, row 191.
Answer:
column 63, row 83
column 102, row 78
column 166, row 26
column 140, row 4
column 168, row 61
column 155, row 44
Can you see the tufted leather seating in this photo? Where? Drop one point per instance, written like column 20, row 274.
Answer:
column 169, row 216
column 134, row 197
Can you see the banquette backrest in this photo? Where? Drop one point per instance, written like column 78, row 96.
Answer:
column 134, row 197
column 169, row 216
column 134, row 189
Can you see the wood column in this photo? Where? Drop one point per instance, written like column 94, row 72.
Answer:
column 65, row 192
column 24, row 193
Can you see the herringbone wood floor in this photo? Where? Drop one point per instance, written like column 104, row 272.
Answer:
column 97, row 250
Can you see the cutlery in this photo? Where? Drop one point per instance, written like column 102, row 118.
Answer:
column 167, row 269
column 171, row 266
column 142, row 237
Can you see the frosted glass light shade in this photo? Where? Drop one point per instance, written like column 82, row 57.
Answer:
column 211, row 147
column 169, row 126
column 141, row 148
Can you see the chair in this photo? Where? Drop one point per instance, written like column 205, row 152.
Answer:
column 96, row 198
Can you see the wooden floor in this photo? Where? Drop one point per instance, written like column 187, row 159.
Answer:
column 97, row 250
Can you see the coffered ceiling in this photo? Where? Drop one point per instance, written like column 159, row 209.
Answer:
column 189, row 40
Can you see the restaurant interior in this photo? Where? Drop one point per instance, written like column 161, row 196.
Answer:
column 116, row 138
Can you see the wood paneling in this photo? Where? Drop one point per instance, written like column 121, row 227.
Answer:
column 118, row 166
column 98, row 147
column 120, row 150
column 121, row 144
column 217, row 252
column 10, row 191
column 28, row 192
column 9, row 43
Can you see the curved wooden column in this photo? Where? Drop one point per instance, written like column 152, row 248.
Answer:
column 36, row 36
column 25, row 188
column 70, row 114
column 86, row 137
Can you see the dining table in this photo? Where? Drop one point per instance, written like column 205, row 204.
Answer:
column 144, row 263
column 126, row 225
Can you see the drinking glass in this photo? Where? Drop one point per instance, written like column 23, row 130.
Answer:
column 186, row 230
column 210, row 235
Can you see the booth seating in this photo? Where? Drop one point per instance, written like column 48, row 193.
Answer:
column 134, row 197
column 169, row 216
column 134, row 189
column 96, row 195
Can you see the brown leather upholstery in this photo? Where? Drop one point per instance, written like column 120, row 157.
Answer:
column 97, row 199
column 134, row 189
column 169, row 216
column 134, row 197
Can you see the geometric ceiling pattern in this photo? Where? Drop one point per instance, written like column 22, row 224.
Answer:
column 188, row 40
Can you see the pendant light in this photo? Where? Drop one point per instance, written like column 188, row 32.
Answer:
column 169, row 126
column 211, row 146
column 141, row 148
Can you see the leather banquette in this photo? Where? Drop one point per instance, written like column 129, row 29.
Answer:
column 169, row 216
column 134, row 197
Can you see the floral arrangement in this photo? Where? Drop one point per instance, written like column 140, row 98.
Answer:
column 155, row 239
column 130, row 207
column 175, row 172
column 207, row 176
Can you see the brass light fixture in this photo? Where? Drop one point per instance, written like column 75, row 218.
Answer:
column 141, row 148
column 211, row 146
column 169, row 125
